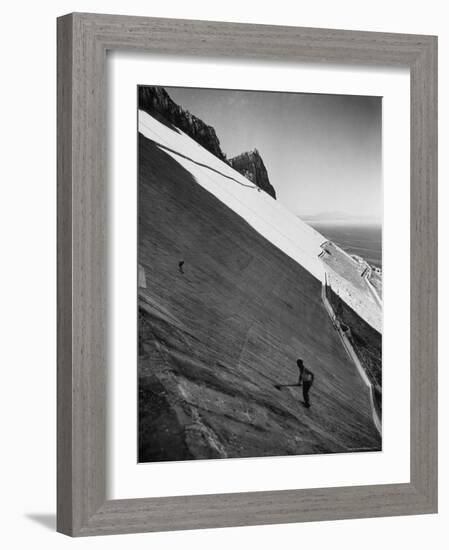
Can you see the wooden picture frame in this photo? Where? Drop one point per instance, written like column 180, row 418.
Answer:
column 83, row 40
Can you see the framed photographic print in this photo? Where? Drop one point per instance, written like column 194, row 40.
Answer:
column 246, row 274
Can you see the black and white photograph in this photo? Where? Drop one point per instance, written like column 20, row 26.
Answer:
column 221, row 309
column 259, row 273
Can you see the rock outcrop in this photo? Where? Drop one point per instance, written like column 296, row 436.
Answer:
column 157, row 103
column 250, row 165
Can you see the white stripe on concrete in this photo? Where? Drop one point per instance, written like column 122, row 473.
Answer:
column 353, row 355
column 266, row 215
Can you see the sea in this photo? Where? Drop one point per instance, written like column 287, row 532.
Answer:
column 362, row 240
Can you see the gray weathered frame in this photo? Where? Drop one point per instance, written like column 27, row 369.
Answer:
column 83, row 40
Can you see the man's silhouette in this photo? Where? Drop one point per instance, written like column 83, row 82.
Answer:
column 181, row 266
column 305, row 380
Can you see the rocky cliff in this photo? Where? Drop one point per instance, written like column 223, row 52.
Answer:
column 157, row 103
column 250, row 165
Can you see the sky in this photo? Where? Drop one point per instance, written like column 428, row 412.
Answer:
column 323, row 153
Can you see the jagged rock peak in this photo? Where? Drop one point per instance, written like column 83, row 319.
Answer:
column 251, row 165
column 156, row 102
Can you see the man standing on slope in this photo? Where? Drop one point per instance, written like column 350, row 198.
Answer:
column 306, row 379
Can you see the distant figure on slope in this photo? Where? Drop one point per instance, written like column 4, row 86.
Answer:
column 306, row 378
column 180, row 265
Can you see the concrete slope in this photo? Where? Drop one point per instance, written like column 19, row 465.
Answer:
column 271, row 219
column 215, row 340
column 347, row 277
column 260, row 210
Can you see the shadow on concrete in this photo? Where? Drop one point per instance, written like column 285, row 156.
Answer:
column 280, row 386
